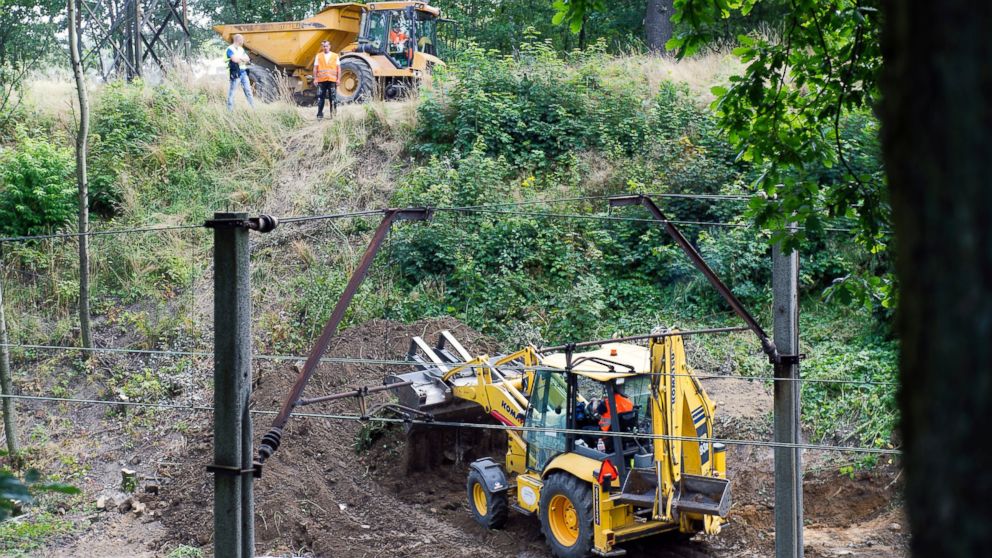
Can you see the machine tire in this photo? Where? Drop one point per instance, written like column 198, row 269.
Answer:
column 263, row 84
column 364, row 88
column 490, row 509
column 566, row 516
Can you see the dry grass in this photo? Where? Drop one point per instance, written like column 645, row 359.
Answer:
column 345, row 162
column 52, row 92
column 700, row 73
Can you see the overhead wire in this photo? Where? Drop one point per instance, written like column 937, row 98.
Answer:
column 329, row 216
column 106, row 232
column 481, row 208
column 408, row 363
column 470, row 425
column 599, row 217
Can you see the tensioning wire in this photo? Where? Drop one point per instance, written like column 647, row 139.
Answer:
column 453, row 424
column 388, row 362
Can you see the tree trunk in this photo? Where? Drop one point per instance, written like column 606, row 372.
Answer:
column 937, row 148
column 81, row 179
column 582, row 32
column 6, row 387
column 658, row 24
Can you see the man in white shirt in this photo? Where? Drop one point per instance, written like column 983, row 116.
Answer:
column 237, row 59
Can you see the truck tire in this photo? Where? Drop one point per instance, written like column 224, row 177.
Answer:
column 490, row 509
column 263, row 84
column 357, row 84
column 566, row 516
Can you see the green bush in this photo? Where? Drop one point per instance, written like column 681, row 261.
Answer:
column 37, row 190
column 122, row 129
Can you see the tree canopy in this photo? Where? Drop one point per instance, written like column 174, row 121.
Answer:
column 803, row 80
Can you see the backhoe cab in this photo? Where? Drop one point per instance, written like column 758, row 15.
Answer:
column 595, row 474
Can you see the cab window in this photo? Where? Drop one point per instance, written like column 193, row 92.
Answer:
column 377, row 29
column 547, row 410
column 426, row 33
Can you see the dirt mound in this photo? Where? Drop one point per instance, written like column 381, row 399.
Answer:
column 317, row 495
column 856, row 514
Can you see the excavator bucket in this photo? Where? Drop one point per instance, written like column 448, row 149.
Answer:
column 705, row 495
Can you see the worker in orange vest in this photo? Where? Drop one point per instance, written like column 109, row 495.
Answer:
column 622, row 404
column 398, row 39
column 397, row 36
column 326, row 72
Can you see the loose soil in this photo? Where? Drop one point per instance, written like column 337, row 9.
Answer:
column 404, row 494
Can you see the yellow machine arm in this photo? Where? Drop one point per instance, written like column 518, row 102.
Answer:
column 450, row 383
column 501, row 396
column 687, row 457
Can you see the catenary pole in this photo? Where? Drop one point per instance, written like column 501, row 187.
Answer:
column 788, row 460
column 234, row 511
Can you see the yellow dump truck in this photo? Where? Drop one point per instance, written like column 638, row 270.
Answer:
column 386, row 49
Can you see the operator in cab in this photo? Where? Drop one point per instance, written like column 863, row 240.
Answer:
column 595, row 416
column 399, row 37
column 620, row 401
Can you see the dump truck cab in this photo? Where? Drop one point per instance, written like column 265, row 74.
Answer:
column 386, row 48
column 397, row 44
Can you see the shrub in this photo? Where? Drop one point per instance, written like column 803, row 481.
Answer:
column 122, row 129
column 37, row 191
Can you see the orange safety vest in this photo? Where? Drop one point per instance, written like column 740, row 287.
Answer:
column 397, row 37
column 623, row 405
column 325, row 67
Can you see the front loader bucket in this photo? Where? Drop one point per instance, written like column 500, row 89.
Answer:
column 426, row 392
column 705, row 495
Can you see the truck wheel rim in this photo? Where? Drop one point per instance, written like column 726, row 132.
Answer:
column 349, row 83
column 479, row 499
column 564, row 520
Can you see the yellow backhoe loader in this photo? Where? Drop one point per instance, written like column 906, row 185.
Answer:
column 604, row 446
column 595, row 475
column 386, row 49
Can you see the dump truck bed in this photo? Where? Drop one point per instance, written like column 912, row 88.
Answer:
column 292, row 44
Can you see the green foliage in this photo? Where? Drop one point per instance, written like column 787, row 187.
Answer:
column 37, row 192
column 23, row 538
column 184, row 551
column 532, row 109
column 509, row 128
column 841, row 347
column 28, row 33
column 800, row 107
column 574, row 12
column 121, row 130
column 16, row 491
column 370, row 433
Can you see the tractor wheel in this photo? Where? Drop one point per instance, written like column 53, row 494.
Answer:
column 489, row 509
column 357, row 84
column 566, row 516
column 263, row 84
